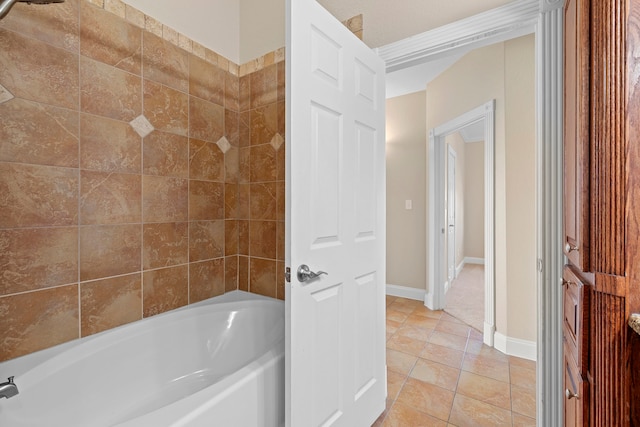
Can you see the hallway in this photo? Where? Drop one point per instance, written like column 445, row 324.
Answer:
column 439, row 373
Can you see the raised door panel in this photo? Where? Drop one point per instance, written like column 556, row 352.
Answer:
column 576, row 297
column 576, row 133
column 575, row 396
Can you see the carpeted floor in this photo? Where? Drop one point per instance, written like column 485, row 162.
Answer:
column 465, row 299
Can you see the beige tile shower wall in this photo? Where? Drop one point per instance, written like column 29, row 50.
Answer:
column 261, row 207
column 101, row 223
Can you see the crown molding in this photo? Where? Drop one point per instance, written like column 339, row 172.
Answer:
column 505, row 22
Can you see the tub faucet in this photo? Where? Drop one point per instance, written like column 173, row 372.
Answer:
column 8, row 389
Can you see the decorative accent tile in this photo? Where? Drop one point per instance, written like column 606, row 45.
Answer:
column 116, row 7
column 153, row 26
column 141, row 125
column 134, row 16
column 223, row 144
column 185, row 43
column 277, row 141
column 170, row 35
column 280, row 55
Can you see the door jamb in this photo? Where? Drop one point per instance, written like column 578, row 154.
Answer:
column 437, row 221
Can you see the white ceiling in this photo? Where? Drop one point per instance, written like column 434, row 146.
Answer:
column 385, row 22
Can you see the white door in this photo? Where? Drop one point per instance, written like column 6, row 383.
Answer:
column 451, row 214
column 335, row 223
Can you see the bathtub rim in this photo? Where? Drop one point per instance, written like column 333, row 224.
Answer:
column 21, row 365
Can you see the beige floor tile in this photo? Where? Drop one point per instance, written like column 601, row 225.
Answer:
column 486, row 366
column 523, row 363
column 409, row 302
column 396, row 316
column 523, row 401
column 470, row 412
column 406, row 344
column 522, row 377
column 395, row 381
column 403, row 416
column 414, row 332
column 453, row 328
column 522, row 421
column 421, row 322
column 427, row 312
column 435, row 373
column 401, row 307
column 444, row 355
column 448, row 340
column 485, row 389
column 480, row 349
column 449, row 318
column 392, row 325
column 390, row 299
column 475, row 334
column 428, row 398
column 400, row 362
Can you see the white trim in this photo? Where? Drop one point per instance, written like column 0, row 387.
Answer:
column 437, row 222
column 447, row 286
column 460, row 267
column 516, row 347
column 502, row 23
column 406, row 292
column 428, row 300
column 473, row 260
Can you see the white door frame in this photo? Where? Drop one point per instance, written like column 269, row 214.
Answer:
column 436, row 225
column 545, row 18
column 451, row 211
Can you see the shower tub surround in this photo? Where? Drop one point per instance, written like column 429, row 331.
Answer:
column 219, row 361
column 139, row 172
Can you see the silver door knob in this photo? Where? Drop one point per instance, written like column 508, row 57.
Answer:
column 305, row 274
column 570, row 395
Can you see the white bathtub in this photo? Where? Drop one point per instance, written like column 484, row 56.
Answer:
column 216, row 363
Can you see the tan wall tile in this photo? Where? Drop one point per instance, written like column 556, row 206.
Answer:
column 165, row 244
column 231, row 201
column 165, row 290
column 243, row 237
column 244, row 93
column 51, row 319
column 109, row 250
column 108, row 303
column 206, row 161
column 53, row 72
column 56, row 24
column 232, row 165
column 166, row 154
column 231, row 91
column 262, row 277
column 263, row 201
column 116, row 7
column 263, row 163
column 38, row 134
column 281, row 87
column 206, row 81
column 206, row 240
column 109, row 198
column 37, row 258
column 264, row 86
column 109, row 92
column 244, row 129
column 244, row 165
column 164, row 199
column 166, row 109
column 206, row 120
column 206, row 279
column 134, row 16
column 165, row 63
column 206, row 200
column 108, row 145
column 109, row 39
column 232, row 127
column 280, row 280
column 231, row 273
column 264, row 124
column 37, row 196
column 244, row 197
column 153, row 26
column 243, row 273
column 280, row 200
column 262, row 239
column 230, row 237
column 280, row 240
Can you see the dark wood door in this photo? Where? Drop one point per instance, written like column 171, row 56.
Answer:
column 576, row 133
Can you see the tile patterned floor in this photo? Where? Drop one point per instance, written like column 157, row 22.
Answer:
column 439, row 373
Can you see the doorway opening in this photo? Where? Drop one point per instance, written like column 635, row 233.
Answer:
column 438, row 222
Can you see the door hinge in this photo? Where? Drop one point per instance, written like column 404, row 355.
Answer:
column 287, row 274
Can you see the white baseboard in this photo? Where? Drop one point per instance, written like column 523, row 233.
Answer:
column 460, row 267
column 515, row 347
column 447, row 286
column 406, row 292
column 428, row 300
column 472, row 260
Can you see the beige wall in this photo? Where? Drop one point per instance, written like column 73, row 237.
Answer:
column 520, row 187
column 212, row 23
column 500, row 67
column 262, row 27
column 474, row 200
column 406, row 151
